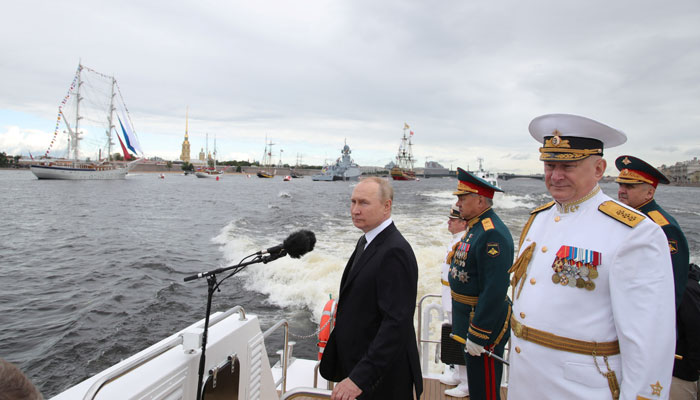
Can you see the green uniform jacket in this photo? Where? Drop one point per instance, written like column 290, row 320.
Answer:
column 479, row 268
column 677, row 245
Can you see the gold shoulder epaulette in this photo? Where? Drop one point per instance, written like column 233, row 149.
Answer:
column 533, row 214
column 658, row 218
column 487, row 224
column 620, row 213
column 543, row 207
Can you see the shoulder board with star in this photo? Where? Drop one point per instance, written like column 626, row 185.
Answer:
column 658, row 218
column 620, row 213
column 487, row 224
column 543, row 207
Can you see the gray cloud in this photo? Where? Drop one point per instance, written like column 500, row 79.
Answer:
column 468, row 77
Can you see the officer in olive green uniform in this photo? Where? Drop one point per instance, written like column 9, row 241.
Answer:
column 479, row 282
column 638, row 181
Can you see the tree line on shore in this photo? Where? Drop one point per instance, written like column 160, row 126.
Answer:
column 9, row 161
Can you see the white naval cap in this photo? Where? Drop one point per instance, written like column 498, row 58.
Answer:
column 567, row 137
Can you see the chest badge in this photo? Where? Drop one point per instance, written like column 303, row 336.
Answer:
column 576, row 267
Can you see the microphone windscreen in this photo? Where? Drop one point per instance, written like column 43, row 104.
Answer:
column 299, row 243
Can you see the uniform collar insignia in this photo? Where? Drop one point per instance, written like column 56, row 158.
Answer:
column 643, row 204
column 574, row 205
column 476, row 219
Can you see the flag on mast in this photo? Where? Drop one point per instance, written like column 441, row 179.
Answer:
column 127, row 156
column 132, row 142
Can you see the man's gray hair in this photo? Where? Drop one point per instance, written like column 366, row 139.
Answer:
column 386, row 191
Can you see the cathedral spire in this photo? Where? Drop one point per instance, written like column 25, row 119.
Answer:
column 185, row 155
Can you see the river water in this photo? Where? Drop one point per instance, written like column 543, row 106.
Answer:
column 92, row 271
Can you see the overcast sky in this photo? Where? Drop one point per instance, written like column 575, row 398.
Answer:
column 467, row 76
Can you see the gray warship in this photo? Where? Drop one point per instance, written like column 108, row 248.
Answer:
column 344, row 168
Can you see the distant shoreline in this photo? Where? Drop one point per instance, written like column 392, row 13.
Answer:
column 180, row 172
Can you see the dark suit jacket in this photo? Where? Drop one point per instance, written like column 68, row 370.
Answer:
column 374, row 342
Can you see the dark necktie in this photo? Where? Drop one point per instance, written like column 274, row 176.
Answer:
column 359, row 250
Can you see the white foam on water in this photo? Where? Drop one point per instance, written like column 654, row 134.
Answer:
column 500, row 200
column 510, row 201
column 440, row 197
column 308, row 281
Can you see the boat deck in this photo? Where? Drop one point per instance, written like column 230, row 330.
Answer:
column 433, row 389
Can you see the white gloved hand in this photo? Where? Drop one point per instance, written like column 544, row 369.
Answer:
column 473, row 349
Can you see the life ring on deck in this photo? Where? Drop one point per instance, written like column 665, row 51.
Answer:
column 326, row 325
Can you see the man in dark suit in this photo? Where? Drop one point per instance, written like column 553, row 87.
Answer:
column 372, row 350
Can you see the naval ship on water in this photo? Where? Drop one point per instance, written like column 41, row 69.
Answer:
column 344, row 168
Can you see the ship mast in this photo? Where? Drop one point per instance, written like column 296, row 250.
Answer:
column 410, row 151
column 404, row 159
column 110, row 125
column 74, row 135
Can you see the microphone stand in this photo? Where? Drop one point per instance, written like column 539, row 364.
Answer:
column 213, row 286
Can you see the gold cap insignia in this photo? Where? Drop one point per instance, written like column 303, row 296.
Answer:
column 626, row 161
column 556, row 140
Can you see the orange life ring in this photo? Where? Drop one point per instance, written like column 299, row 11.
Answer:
column 326, row 325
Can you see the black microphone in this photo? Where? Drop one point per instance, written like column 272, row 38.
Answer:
column 296, row 245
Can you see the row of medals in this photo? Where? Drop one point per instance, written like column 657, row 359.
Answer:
column 574, row 276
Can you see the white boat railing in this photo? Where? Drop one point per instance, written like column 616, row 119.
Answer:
column 424, row 344
column 424, row 326
column 153, row 353
column 285, row 352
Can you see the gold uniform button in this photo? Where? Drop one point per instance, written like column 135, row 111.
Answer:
column 544, row 249
column 517, row 349
column 533, row 281
column 557, row 218
column 522, row 315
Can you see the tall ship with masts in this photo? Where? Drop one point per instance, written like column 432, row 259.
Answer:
column 209, row 171
column 403, row 169
column 266, row 170
column 85, row 103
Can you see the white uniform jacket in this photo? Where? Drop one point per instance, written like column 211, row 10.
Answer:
column 445, row 278
column 631, row 300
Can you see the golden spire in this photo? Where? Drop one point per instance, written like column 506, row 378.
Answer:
column 187, row 114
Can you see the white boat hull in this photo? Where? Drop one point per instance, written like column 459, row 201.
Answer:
column 206, row 175
column 70, row 173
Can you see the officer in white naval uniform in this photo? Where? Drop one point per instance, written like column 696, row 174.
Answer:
column 593, row 313
column 454, row 374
